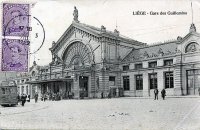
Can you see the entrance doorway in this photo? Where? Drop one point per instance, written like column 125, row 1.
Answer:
column 68, row 92
column 44, row 88
column 83, row 84
column 193, row 81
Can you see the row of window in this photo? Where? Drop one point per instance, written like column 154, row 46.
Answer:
column 169, row 81
column 8, row 90
column 152, row 64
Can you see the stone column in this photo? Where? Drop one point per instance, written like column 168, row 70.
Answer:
column 178, row 90
column 146, row 89
column 92, row 85
column 76, row 87
column 118, row 82
column 160, row 81
column 104, row 83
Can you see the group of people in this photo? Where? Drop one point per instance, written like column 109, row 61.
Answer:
column 163, row 94
column 54, row 96
column 23, row 98
column 51, row 96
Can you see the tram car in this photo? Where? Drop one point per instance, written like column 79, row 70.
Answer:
column 8, row 93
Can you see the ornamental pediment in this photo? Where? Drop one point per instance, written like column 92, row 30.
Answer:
column 77, row 28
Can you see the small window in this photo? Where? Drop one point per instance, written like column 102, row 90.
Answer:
column 153, row 64
column 169, row 80
column 153, row 80
column 125, row 67
column 138, row 66
column 112, row 80
column 126, row 83
column 139, row 82
column 168, row 62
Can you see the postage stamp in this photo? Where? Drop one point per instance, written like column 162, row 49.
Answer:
column 15, row 19
column 15, row 55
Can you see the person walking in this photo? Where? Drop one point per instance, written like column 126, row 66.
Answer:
column 18, row 98
column 36, row 97
column 156, row 93
column 29, row 98
column 44, row 97
column 23, row 98
column 163, row 93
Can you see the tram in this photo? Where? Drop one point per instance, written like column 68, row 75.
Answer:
column 8, row 93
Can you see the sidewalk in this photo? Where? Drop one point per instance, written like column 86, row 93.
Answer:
column 151, row 97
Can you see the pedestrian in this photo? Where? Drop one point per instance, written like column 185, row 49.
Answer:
column 163, row 93
column 36, row 97
column 102, row 95
column 199, row 90
column 44, row 97
column 109, row 94
column 156, row 93
column 23, row 98
column 18, row 98
column 29, row 98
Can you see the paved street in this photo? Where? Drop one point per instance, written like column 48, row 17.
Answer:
column 119, row 113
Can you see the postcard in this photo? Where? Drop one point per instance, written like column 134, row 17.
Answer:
column 100, row 65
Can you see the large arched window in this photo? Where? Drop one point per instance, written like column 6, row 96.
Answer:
column 192, row 47
column 77, row 54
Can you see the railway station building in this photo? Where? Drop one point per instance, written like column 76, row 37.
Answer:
column 92, row 62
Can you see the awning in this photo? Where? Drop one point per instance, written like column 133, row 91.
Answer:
column 49, row 80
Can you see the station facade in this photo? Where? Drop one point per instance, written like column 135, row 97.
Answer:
column 92, row 62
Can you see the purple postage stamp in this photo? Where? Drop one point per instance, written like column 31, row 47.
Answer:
column 15, row 55
column 15, row 19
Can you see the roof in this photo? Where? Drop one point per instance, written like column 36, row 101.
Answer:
column 49, row 80
column 152, row 51
column 98, row 33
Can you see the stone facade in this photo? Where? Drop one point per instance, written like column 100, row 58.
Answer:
column 91, row 62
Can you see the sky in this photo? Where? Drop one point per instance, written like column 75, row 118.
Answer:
column 57, row 15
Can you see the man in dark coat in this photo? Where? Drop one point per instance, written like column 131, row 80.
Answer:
column 23, row 98
column 163, row 93
column 156, row 93
column 36, row 97
column 18, row 98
